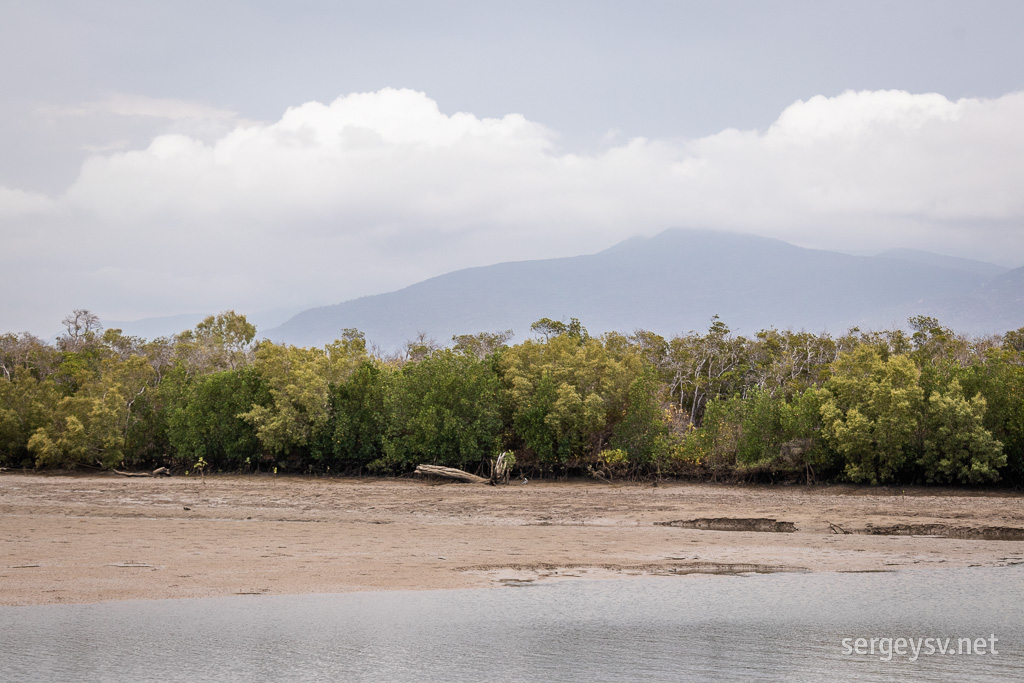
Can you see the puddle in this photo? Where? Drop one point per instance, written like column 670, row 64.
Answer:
column 531, row 574
column 728, row 568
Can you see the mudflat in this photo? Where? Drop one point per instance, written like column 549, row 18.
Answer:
column 91, row 538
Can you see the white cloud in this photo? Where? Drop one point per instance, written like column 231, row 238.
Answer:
column 18, row 204
column 377, row 190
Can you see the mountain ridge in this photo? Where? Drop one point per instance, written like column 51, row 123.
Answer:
column 674, row 282
column 972, row 265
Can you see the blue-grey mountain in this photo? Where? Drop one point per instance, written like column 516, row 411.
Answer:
column 675, row 282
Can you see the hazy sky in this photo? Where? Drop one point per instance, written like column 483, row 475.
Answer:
column 173, row 157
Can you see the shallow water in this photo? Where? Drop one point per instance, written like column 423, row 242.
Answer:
column 786, row 627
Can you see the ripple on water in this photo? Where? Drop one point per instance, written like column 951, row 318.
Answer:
column 697, row 627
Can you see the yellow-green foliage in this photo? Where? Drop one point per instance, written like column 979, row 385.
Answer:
column 871, row 412
column 957, row 447
column 300, row 381
column 566, row 395
column 874, row 407
column 90, row 426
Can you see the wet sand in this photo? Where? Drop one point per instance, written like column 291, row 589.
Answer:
column 75, row 539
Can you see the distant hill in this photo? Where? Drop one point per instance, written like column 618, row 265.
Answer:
column 998, row 304
column 982, row 268
column 168, row 326
column 673, row 283
column 151, row 328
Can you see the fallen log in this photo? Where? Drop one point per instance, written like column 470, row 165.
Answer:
column 133, row 474
column 158, row 472
column 450, row 473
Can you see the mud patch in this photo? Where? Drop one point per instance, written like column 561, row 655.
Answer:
column 513, row 583
column 980, row 533
column 729, row 568
column 733, row 524
column 530, row 574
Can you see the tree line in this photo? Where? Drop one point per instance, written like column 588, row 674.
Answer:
column 879, row 407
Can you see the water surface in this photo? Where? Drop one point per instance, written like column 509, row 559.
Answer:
column 780, row 627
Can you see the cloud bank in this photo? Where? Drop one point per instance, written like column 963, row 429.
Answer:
column 377, row 190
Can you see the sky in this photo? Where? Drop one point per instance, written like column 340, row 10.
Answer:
column 181, row 157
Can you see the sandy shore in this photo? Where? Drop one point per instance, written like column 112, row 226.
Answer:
column 72, row 539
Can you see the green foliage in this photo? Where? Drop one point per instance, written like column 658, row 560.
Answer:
column 76, row 370
column 877, row 407
column 788, row 363
column 701, row 368
column 642, row 431
column 300, row 382
column 871, row 413
column 220, row 342
column 549, row 329
column 200, row 466
column 481, row 345
column 565, row 397
column 442, row 410
column 87, row 429
column 765, row 432
column 355, row 436
column 615, row 462
column 958, row 448
column 1000, row 380
column 24, row 355
column 25, row 406
column 761, row 432
column 715, row 445
column 1013, row 341
column 90, row 426
column 206, row 421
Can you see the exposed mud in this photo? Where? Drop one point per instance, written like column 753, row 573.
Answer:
column 529, row 574
column 982, row 533
column 89, row 538
column 642, row 568
column 733, row 524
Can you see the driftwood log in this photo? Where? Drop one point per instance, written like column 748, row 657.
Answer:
column 158, row 472
column 450, row 473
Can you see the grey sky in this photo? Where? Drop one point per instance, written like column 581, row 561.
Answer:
column 93, row 80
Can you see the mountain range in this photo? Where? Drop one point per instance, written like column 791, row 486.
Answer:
column 675, row 282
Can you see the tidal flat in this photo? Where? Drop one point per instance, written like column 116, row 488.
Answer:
column 68, row 539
